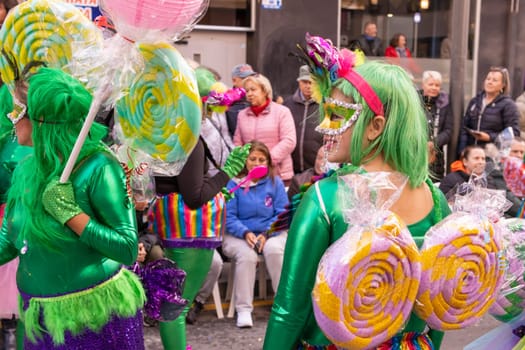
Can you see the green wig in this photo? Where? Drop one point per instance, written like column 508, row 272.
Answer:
column 6, row 106
column 57, row 105
column 205, row 79
column 403, row 142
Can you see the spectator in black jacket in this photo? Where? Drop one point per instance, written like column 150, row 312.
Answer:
column 369, row 42
column 475, row 164
column 440, row 121
column 306, row 176
column 305, row 112
column 491, row 111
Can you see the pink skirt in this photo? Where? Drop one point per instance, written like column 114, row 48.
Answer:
column 8, row 289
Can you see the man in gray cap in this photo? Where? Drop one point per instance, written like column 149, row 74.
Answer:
column 305, row 113
column 239, row 73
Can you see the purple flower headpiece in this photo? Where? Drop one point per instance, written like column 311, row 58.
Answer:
column 329, row 64
column 224, row 99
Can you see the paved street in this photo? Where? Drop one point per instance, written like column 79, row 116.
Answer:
column 210, row 333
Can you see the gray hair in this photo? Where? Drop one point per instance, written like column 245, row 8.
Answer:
column 432, row 74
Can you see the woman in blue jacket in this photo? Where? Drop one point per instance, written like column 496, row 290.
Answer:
column 248, row 216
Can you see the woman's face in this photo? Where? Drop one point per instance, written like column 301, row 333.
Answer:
column 493, row 84
column 402, row 41
column 21, row 123
column 337, row 146
column 24, row 129
column 475, row 162
column 431, row 87
column 254, row 93
column 256, row 158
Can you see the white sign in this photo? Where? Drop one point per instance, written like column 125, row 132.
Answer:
column 272, row 4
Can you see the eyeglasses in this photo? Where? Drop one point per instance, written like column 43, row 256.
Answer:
column 19, row 111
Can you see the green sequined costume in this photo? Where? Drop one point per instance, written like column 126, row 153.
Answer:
column 292, row 319
column 90, row 265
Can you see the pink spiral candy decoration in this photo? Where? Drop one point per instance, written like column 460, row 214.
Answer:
column 511, row 298
column 366, row 284
column 514, row 175
column 462, row 272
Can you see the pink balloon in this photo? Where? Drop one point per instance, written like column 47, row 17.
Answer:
column 132, row 17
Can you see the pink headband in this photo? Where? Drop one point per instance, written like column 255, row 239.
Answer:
column 365, row 90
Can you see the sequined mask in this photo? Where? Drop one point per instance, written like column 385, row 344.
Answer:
column 338, row 116
column 19, row 111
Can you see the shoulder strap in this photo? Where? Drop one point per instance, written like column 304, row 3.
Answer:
column 321, row 202
column 207, row 153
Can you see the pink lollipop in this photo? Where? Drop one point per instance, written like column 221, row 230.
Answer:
column 514, row 174
column 254, row 174
column 134, row 19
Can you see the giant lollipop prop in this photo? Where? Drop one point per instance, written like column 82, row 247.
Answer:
column 150, row 21
column 161, row 112
column 153, row 20
column 47, row 31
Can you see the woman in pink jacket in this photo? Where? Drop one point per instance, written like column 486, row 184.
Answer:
column 267, row 122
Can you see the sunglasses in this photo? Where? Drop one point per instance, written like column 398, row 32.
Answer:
column 19, row 111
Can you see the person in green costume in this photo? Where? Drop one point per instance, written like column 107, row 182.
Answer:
column 72, row 238
column 372, row 121
column 192, row 250
column 11, row 153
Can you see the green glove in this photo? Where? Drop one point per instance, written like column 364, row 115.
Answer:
column 227, row 195
column 236, row 160
column 59, row 201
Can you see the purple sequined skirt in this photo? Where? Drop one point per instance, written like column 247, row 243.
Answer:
column 118, row 334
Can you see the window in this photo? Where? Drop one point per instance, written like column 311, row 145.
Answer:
column 234, row 15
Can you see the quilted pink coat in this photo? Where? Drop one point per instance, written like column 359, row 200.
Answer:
column 276, row 129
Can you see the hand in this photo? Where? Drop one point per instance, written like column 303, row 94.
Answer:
column 250, row 239
column 431, row 152
column 236, row 160
column 59, row 201
column 141, row 257
column 140, row 205
column 261, row 241
column 480, row 135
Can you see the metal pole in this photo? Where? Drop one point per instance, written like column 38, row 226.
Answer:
column 459, row 50
column 416, row 27
column 338, row 39
column 475, row 51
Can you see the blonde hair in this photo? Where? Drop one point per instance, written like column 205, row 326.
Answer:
column 505, row 78
column 262, row 81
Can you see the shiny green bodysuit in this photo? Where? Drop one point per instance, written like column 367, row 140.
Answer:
column 79, row 263
column 292, row 318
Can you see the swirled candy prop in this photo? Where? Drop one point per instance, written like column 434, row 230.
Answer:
column 514, row 175
column 462, row 271
column 47, row 31
column 161, row 113
column 511, row 298
column 154, row 20
column 366, row 284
